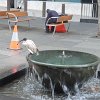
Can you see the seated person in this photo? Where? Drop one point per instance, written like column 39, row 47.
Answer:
column 51, row 13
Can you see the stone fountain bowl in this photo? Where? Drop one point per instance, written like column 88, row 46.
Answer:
column 61, row 70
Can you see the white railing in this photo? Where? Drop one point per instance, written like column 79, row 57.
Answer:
column 89, row 10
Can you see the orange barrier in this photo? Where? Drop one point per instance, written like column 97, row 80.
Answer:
column 14, row 45
column 61, row 28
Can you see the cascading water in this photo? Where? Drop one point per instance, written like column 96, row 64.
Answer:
column 32, row 89
column 45, row 76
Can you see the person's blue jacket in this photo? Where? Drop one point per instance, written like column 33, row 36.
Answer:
column 52, row 13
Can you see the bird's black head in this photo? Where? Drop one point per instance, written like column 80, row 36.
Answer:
column 24, row 39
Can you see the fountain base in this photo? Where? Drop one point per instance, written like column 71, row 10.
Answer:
column 63, row 71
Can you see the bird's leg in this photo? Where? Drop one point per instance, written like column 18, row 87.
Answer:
column 37, row 52
column 30, row 53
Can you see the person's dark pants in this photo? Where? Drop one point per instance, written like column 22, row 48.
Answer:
column 50, row 30
column 52, row 27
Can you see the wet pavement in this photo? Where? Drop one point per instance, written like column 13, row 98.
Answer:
column 81, row 37
column 3, row 97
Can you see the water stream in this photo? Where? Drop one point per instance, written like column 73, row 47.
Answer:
column 31, row 89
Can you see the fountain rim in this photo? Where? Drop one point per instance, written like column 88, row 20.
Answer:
column 65, row 66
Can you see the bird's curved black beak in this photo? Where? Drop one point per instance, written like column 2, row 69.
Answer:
column 24, row 39
column 19, row 42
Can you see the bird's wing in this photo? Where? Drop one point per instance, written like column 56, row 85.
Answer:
column 30, row 50
column 27, row 45
column 30, row 45
column 33, row 47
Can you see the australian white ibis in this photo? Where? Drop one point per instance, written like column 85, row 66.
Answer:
column 30, row 45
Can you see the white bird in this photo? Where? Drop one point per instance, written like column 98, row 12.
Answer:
column 30, row 45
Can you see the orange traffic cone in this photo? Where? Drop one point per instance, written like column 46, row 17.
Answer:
column 14, row 45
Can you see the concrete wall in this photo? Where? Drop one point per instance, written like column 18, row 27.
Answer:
column 3, row 4
column 35, row 7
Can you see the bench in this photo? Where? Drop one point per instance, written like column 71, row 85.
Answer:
column 60, row 20
column 15, row 17
column 3, row 14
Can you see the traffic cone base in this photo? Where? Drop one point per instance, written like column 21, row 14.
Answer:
column 14, row 45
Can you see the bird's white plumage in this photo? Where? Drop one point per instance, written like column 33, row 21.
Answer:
column 30, row 45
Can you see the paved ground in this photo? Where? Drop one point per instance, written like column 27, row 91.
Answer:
column 3, row 97
column 81, row 37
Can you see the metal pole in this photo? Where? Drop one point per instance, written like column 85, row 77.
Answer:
column 15, row 3
column 25, row 5
column 98, row 18
column 44, row 9
column 8, row 4
column 63, row 8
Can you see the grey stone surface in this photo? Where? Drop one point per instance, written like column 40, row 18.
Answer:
column 3, row 97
